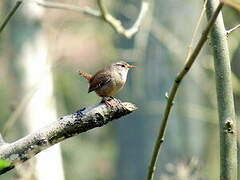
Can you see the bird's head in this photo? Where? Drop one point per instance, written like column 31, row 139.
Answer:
column 122, row 66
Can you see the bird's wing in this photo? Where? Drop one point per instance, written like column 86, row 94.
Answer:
column 99, row 80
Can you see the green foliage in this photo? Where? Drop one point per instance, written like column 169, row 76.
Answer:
column 4, row 164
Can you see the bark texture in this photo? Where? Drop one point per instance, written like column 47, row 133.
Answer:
column 226, row 113
column 65, row 127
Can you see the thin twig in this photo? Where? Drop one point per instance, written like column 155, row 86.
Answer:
column 196, row 28
column 55, row 5
column 117, row 25
column 233, row 29
column 8, row 17
column 18, row 111
column 174, row 89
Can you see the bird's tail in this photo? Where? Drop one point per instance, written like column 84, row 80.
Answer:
column 85, row 75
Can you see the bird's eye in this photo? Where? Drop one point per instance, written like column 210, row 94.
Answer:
column 122, row 65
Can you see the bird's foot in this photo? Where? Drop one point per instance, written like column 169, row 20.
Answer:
column 116, row 100
column 109, row 101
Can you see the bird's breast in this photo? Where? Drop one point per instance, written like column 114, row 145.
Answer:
column 112, row 88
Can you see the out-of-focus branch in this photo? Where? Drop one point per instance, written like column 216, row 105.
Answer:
column 55, row 5
column 189, row 62
column 103, row 14
column 8, row 17
column 173, row 44
column 232, row 3
column 117, row 25
column 67, row 126
column 196, row 28
column 233, row 29
column 2, row 26
column 18, row 111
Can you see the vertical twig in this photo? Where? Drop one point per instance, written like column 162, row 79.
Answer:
column 226, row 112
column 189, row 62
column 11, row 13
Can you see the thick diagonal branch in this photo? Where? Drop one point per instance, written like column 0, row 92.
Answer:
column 65, row 127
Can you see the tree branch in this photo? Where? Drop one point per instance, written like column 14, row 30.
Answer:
column 67, row 126
column 232, row 3
column 55, row 5
column 189, row 62
column 225, row 102
column 117, row 25
column 103, row 14
column 233, row 29
column 8, row 17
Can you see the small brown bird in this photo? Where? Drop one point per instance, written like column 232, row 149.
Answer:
column 108, row 81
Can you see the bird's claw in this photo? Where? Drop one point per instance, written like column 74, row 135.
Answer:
column 108, row 102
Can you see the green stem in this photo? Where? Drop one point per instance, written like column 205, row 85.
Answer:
column 226, row 112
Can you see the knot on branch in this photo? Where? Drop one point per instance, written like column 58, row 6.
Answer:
column 228, row 126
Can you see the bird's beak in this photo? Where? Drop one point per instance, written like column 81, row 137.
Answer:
column 130, row 67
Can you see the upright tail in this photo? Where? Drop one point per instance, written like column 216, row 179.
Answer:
column 85, row 75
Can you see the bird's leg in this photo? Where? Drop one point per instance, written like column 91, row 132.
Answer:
column 116, row 100
column 106, row 100
column 111, row 98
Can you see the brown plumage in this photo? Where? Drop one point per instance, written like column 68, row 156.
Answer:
column 109, row 81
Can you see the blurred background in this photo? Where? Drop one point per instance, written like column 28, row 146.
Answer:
column 41, row 51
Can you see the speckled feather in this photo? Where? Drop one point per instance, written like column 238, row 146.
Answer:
column 109, row 81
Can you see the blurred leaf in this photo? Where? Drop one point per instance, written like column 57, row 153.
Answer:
column 233, row 3
column 4, row 164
